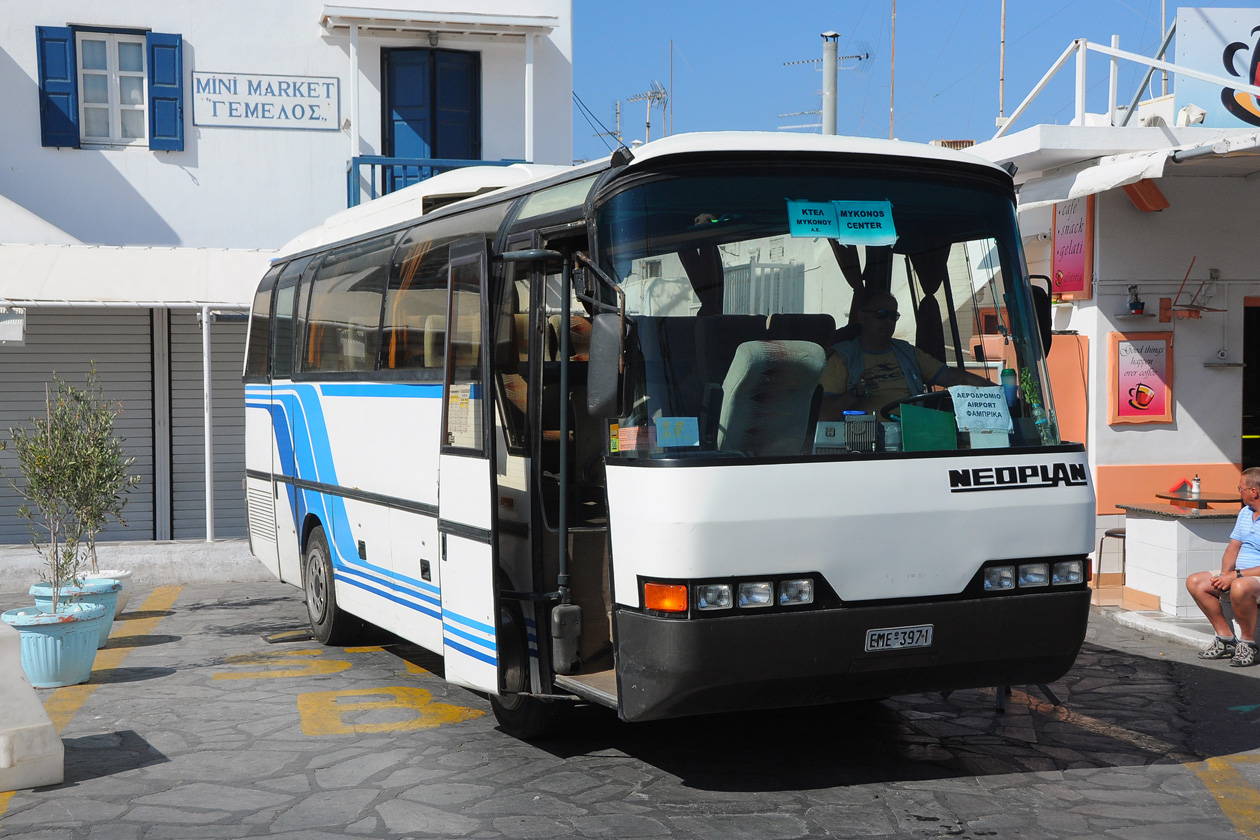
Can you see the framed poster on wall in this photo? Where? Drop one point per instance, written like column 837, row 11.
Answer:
column 1072, row 251
column 1139, row 378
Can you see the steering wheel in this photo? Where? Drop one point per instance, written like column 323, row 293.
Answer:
column 938, row 400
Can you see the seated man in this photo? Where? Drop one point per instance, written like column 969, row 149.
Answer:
column 1238, row 580
column 874, row 369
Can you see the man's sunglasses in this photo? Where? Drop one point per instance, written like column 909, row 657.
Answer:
column 883, row 314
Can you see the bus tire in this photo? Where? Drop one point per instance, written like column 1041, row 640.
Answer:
column 527, row 718
column 329, row 624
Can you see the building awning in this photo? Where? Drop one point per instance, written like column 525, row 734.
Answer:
column 1100, row 175
column 391, row 21
column 90, row 275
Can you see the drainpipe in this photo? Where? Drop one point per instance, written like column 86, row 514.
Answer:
column 529, row 97
column 207, row 412
column 354, row 109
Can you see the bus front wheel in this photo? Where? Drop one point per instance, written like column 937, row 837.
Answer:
column 329, row 624
column 520, row 716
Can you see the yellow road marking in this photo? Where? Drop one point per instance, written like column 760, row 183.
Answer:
column 323, row 712
column 1237, row 798
column 62, row 703
column 303, row 667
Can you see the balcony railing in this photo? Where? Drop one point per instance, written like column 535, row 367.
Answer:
column 385, row 175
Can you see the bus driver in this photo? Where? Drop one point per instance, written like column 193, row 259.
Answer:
column 875, row 369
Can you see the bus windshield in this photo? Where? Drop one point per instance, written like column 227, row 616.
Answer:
column 744, row 287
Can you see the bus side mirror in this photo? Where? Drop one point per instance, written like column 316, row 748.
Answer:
column 605, row 378
column 1041, row 309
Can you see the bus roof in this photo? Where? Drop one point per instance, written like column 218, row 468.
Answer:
column 766, row 141
column 473, row 184
column 410, row 203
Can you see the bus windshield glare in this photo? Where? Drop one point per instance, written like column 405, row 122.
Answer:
column 743, row 286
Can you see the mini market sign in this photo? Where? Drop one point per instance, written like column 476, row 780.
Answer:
column 245, row 100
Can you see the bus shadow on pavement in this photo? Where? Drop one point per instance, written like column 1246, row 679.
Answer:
column 106, row 754
column 1119, row 710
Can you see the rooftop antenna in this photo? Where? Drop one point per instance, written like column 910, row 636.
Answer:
column 892, row 71
column 1001, row 118
column 655, row 94
column 617, row 132
column 830, row 63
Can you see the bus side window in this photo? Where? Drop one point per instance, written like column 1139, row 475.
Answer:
column 260, row 327
column 342, row 332
column 282, row 338
column 413, row 337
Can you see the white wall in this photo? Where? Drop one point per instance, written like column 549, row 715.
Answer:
column 249, row 188
column 1212, row 221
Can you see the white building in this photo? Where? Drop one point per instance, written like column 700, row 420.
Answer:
column 1163, row 210
column 156, row 152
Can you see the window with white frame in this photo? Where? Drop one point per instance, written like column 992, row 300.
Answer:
column 112, row 77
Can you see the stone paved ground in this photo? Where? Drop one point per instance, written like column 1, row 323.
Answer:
column 199, row 728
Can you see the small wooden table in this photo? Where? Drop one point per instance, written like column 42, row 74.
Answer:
column 1181, row 498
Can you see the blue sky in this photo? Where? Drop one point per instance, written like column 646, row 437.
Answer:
column 729, row 62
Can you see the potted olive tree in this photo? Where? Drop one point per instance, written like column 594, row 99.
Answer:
column 102, row 481
column 55, row 455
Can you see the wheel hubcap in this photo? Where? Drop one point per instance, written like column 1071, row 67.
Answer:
column 316, row 585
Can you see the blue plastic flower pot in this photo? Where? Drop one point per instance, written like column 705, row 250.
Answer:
column 95, row 591
column 57, row 650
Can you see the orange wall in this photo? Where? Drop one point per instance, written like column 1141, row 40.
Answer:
column 1068, row 363
column 1137, row 484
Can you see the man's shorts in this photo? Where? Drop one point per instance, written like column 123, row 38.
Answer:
column 1225, row 595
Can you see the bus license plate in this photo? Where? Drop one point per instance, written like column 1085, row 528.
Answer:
column 897, row 638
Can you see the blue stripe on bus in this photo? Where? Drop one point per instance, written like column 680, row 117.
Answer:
column 388, row 390
column 475, row 654
column 387, row 596
column 488, row 644
column 387, row 581
column 468, row 622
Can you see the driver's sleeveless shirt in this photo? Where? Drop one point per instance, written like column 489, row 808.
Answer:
column 889, row 381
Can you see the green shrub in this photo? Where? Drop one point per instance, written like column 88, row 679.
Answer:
column 73, row 477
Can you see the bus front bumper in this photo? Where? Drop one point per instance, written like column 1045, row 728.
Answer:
column 672, row 668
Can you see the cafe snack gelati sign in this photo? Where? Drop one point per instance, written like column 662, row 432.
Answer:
column 1140, row 377
column 1072, row 254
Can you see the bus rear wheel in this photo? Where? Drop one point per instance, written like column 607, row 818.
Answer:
column 520, row 716
column 329, row 624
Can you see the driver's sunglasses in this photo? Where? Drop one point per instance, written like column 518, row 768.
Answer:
column 883, row 314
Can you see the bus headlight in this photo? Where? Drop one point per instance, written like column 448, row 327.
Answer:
column 1034, row 574
column 796, row 592
column 713, row 596
column 999, row 578
column 759, row 594
column 1068, row 572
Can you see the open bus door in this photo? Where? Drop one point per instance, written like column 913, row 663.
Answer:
column 466, row 511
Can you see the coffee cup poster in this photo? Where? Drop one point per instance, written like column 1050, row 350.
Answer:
column 1140, row 372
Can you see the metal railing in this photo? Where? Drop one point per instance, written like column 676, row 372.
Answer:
column 387, row 174
column 1081, row 47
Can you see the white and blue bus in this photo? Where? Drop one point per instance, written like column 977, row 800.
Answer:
column 566, row 432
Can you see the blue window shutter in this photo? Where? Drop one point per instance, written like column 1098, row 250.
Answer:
column 166, row 91
column 58, row 86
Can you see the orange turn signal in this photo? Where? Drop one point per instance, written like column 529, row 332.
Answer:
column 666, row 597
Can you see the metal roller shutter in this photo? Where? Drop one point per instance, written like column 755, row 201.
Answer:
column 66, row 341
column 188, row 489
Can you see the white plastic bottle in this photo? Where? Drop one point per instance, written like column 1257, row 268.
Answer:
column 1194, row 486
